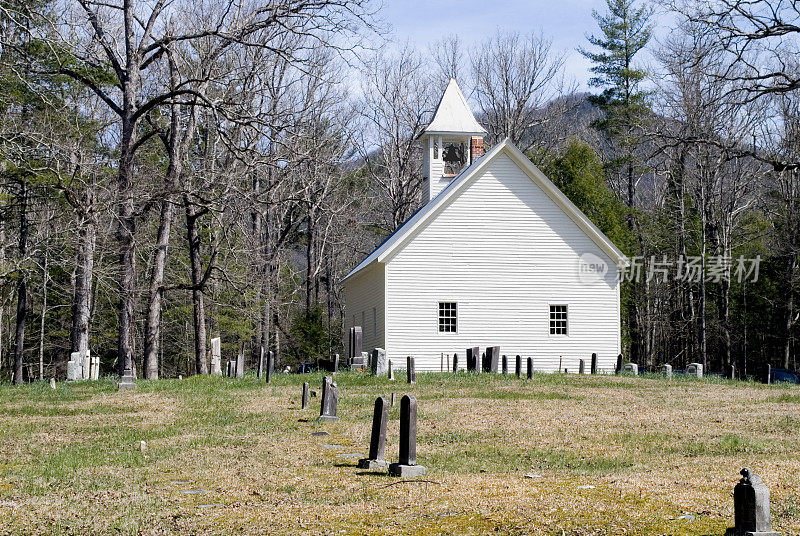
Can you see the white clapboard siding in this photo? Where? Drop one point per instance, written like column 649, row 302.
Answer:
column 363, row 294
column 504, row 251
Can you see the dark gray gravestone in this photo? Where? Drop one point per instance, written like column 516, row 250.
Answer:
column 392, row 399
column 505, row 364
column 304, row 400
column 407, row 464
column 593, row 369
column 411, row 373
column 492, row 361
column 751, row 507
column 482, row 365
column 581, row 366
column 330, row 400
column 270, row 365
column 455, row 362
column 229, row 369
column 618, row 369
column 471, row 360
column 377, row 443
column 530, row 368
column 518, row 367
column 240, row 365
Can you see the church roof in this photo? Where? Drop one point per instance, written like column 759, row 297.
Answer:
column 453, row 115
column 406, row 231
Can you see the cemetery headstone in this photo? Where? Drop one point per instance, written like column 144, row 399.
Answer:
column 330, row 400
column 240, row 365
column 52, row 383
column 86, row 359
column 407, row 464
column 666, row 370
column 356, row 337
column 377, row 443
column 411, row 373
column 482, row 365
column 270, row 365
column 631, row 368
column 126, row 383
column 75, row 366
column 530, row 368
column 95, row 367
column 732, row 372
column 505, row 364
column 492, row 362
column 455, row 362
column 694, row 369
column 336, row 363
column 392, row 399
column 618, row 368
column 768, row 374
column 751, row 507
column 518, row 367
column 304, row 400
column 593, row 369
column 260, row 370
column 216, row 356
column 379, row 363
column 472, row 360
column 390, row 368
column 581, row 366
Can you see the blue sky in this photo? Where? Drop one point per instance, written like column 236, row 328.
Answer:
column 566, row 22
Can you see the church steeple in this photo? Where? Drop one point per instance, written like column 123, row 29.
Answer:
column 453, row 139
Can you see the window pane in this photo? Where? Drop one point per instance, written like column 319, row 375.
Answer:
column 447, row 317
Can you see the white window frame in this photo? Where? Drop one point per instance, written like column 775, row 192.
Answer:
column 439, row 317
column 550, row 319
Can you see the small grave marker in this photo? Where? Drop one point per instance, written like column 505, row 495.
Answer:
column 518, row 367
column 593, row 367
column 411, row 373
column 666, row 370
column 751, row 507
column 304, row 400
column 505, row 364
column 330, row 400
column 530, row 368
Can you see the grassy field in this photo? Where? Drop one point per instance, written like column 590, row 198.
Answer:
column 555, row 455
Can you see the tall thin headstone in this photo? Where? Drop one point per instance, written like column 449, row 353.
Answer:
column 355, row 343
column 411, row 373
column 86, row 359
column 336, row 363
column 505, row 364
column 304, row 400
column 593, row 368
column 455, row 362
column 240, row 365
column 390, row 372
column 732, row 372
column 270, row 365
column 392, row 399
column 530, row 368
column 377, row 444
column 768, row 374
column 407, row 464
column 618, row 368
column 518, row 367
column 751, row 507
column 470, row 360
column 260, row 370
column 216, row 356
column 330, row 400
column 581, row 366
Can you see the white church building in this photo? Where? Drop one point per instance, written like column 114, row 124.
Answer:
column 496, row 256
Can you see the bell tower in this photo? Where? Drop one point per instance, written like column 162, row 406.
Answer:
column 450, row 143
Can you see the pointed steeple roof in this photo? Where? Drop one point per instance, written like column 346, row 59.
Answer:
column 453, row 115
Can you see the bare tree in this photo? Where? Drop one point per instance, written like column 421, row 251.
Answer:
column 514, row 77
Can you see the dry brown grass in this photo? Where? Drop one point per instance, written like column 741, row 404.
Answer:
column 653, row 452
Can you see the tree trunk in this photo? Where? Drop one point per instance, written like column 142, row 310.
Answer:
column 152, row 340
column 22, row 289
column 199, row 316
column 82, row 293
column 44, row 312
column 789, row 309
